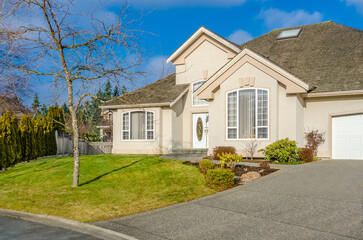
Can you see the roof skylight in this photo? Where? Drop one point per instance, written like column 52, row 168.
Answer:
column 292, row 33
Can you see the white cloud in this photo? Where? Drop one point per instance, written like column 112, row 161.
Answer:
column 276, row 18
column 184, row 3
column 356, row 3
column 158, row 68
column 240, row 36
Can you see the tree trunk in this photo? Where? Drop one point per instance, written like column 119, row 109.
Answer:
column 73, row 111
column 75, row 149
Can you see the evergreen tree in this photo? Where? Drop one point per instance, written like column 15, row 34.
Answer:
column 108, row 91
column 116, row 92
column 43, row 110
column 9, row 151
column 15, row 131
column 39, row 139
column 2, row 146
column 65, row 109
column 100, row 95
column 26, row 129
column 36, row 104
column 123, row 90
column 53, row 119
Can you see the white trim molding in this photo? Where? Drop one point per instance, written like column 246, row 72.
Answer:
column 202, row 30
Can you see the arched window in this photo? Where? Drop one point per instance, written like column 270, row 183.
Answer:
column 138, row 125
column 247, row 114
column 195, row 100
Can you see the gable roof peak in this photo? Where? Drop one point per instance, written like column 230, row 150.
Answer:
column 203, row 30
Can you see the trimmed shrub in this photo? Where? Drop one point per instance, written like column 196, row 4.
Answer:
column 15, row 131
column 230, row 160
column 222, row 149
column 282, row 150
column 26, row 129
column 206, row 165
column 2, row 146
column 306, row 154
column 9, row 151
column 220, row 178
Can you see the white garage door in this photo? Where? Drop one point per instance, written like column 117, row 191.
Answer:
column 347, row 136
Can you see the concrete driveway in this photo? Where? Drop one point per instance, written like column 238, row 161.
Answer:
column 321, row 200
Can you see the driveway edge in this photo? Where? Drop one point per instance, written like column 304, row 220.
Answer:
column 69, row 224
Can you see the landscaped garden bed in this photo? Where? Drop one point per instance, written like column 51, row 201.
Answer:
column 241, row 173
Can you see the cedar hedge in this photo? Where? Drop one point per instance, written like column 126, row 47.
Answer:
column 30, row 138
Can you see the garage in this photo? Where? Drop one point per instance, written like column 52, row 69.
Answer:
column 347, row 137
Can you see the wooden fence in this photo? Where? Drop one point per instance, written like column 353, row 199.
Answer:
column 65, row 146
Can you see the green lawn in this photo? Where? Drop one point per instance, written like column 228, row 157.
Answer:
column 110, row 186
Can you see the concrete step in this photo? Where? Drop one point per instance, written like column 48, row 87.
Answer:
column 190, row 151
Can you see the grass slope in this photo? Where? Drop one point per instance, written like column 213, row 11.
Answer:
column 110, row 186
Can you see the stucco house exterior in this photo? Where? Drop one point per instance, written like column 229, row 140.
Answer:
column 278, row 85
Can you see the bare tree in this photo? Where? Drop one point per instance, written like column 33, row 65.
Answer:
column 73, row 46
column 251, row 147
column 11, row 85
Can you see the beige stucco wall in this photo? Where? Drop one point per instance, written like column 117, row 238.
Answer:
column 207, row 56
column 177, row 124
column 318, row 113
column 162, row 142
column 285, row 110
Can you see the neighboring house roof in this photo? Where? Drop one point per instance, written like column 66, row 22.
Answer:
column 327, row 55
column 13, row 106
column 162, row 91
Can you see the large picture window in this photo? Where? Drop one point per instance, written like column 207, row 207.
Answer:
column 138, row 125
column 247, row 114
column 196, row 101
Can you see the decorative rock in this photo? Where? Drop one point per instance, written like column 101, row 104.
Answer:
column 250, row 176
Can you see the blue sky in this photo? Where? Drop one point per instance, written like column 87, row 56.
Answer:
column 173, row 21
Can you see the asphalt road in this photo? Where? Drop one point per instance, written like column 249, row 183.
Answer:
column 16, row 228
column 320, row 200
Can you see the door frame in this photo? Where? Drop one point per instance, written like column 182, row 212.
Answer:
column 192, row 128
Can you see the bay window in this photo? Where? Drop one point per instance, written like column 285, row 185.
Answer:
column 138, row 125
column 247, row 114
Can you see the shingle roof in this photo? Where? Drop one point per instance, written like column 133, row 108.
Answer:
column 327, row 55
column 13, row 106
column 161, row 91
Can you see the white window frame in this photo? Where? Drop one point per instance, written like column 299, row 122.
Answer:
column 146, row 130
column 256, row 113
column 197, row 105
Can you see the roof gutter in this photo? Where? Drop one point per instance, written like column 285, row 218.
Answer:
column 143, row 105
column 333, row 94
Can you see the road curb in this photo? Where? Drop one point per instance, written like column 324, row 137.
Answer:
column 69, row 224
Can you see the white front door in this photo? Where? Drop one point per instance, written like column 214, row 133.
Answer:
column 347, row 134
column 200, row 130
